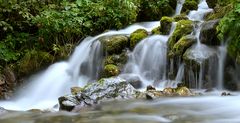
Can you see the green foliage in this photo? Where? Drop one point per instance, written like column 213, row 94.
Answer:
column 155, row 9
column 229, row 29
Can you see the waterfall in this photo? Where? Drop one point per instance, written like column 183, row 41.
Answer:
column 148, row 60
column 221, row 62
column 179, row 7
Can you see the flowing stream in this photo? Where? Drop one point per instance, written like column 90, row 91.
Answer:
column 149, row 62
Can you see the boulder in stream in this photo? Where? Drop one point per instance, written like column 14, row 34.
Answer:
column 137, row 36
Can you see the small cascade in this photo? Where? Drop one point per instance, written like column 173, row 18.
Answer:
column 82, row 67
column 198, row 15
column 179, row 7
column 180, row 73
column 148, row 60
column 221, row 63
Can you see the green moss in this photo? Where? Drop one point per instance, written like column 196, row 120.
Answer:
column 219, row 12
column 114, row 44
column 137, row 36
column 181, row 46
column 184, row 27
column 166, row 23
column 180, row 17
column 156, row 31
column 190, row 5
column 111, row 70
column 33, row 61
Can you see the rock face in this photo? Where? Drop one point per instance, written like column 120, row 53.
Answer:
column 208, row 33
column 103, row 90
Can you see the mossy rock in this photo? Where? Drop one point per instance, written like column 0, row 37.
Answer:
column 114, row 44
column 212, row 3
column 183, row 28
column 166, row 24
column 111, row 70
column 219, row 12
column 34, row 61
column 118, row 60
column 189, row 5
column 183, row 44
column 180, row 17
column 156, row 31
column 137, row 36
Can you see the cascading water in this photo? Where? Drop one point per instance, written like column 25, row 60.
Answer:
column 148, row 60
column 179, row 7
column 221, row 62
column 45, row 88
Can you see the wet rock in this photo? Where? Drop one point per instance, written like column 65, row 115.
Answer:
column 208, row 33
column 68, row 102
column 137, row 36
column 135, row 81
column 166, row 24
column 183, row 91
column 183, row 28
column 95, row 93
column 150, row 87
column 114, row 44
column 225, row 94
column 219, row 12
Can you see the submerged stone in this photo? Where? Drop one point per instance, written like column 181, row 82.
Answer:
column 137, row 36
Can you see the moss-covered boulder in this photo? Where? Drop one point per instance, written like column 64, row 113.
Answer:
column 110, row 70
column 189, row 5
column 114, row 44
column 166, row 24
column 212, row 3
column 184, row 27
column 156, row 31
column 180, row 17
column 118, row 60
column 208, row 33
column 137, row 36
column 183, row 44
